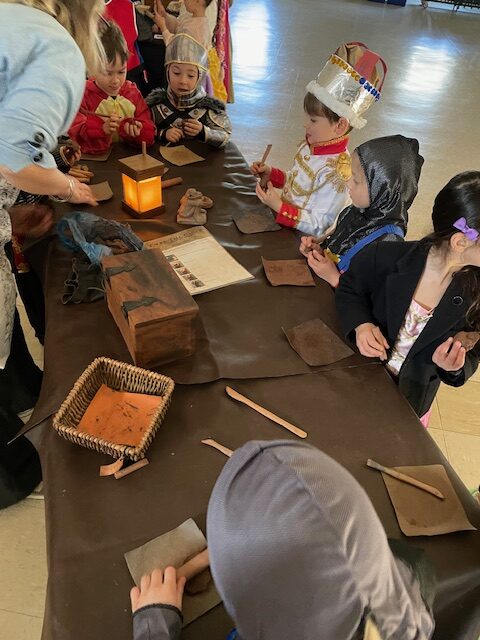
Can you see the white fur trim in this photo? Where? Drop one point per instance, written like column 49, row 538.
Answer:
column 340, row 108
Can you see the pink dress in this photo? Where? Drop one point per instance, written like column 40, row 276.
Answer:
column 414, row 323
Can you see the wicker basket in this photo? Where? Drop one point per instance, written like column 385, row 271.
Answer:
column 121, row 377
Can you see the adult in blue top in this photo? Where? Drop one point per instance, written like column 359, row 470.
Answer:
column 45, row 48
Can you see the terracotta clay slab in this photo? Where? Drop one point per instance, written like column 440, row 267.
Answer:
column 101, row 157
column 468, row 338
column 421, row 514
column 179, row 156
column 292, row 272
column 174, row 549
column 255, row 222
column 120, row 417
column 316, row 343
column 102, row 191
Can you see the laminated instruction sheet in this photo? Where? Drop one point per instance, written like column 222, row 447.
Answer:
column 200, row 261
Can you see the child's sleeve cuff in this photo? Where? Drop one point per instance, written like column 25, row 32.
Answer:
column 288, row 216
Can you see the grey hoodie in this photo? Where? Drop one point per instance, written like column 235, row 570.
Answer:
column 298, row 552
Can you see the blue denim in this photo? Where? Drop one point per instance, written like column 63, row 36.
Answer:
column 86, row 227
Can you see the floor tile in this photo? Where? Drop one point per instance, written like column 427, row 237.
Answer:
column 435, row 419
column 439, row 437
column 23, row 571
column 460, row 408
column 464, row 455
column 16, row 626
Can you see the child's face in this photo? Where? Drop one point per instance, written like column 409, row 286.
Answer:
column 358, row 185
column 191, row 5
column 114, row 77
column 182, row 78
column 319, row 129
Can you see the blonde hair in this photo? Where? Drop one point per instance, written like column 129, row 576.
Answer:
column 81, row 19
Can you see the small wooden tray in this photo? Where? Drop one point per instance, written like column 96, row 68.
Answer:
column 121, row 377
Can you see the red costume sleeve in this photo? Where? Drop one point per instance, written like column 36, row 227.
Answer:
column 87, row 129
column 287, row 216
column 142, row 114
column 277, row 178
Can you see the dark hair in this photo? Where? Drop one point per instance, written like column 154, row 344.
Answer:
column 314, row 107
column 460, row 198
column 208, row 2
column 114, row 42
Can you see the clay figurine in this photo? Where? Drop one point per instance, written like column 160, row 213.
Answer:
column 192, row 210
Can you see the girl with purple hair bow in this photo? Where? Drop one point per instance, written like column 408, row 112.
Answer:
column 406, row 303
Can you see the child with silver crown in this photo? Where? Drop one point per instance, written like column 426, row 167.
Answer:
column 314, row 191
column 183, row 111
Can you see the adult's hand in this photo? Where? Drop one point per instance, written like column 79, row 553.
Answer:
column 82, row 194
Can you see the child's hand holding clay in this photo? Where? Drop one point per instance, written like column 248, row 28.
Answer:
column 133, row 128
column 174, row 134
column 111, row 124
column 308, row 244
column 262, row 171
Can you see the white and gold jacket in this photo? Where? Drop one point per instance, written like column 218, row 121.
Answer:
column 314, row 191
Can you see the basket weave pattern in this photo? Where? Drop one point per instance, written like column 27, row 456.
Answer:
column 119, row 376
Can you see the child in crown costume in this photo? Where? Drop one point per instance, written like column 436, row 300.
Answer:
column 314, row 191
column 183, row 111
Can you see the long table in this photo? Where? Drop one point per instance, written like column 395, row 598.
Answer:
column 351, row 410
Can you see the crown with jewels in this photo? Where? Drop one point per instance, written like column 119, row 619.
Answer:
column 350, row 82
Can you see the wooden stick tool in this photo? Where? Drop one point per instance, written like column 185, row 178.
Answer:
column 407, row 479
column 213, row 443
column 266, row 153
column 268, row 414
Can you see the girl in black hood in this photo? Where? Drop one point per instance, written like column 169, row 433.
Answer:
column 383, row 185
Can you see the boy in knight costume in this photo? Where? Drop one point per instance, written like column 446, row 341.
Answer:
column 314, row 191
column 184, row 111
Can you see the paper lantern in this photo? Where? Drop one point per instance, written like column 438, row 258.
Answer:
column 142, row 185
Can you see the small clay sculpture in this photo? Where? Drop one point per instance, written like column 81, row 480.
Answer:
column 192, row 210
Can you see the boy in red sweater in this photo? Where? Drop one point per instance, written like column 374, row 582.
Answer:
column 112, row 108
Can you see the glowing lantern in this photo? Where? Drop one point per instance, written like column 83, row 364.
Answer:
column 142, row 185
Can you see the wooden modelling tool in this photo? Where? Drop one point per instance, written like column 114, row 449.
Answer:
column 407, row 479
column 213, row 443
column 266, row 153
column 171, row 182
column 268, row 414
column 130, row 469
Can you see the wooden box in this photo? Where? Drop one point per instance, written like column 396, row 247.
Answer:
column 153, row 310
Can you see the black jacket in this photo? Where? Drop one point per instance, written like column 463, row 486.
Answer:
column 378, row 288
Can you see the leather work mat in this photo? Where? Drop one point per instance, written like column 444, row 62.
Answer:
column 239, row 328
column 418, row 512
column 93, row 521
column 316, row 344
column 288, row 272
column 350, row 411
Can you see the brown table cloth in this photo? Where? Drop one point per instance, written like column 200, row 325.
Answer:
column 240, row 327
column 350, row 412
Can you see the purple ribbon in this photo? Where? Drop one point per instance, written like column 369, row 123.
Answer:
column 461, row 225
